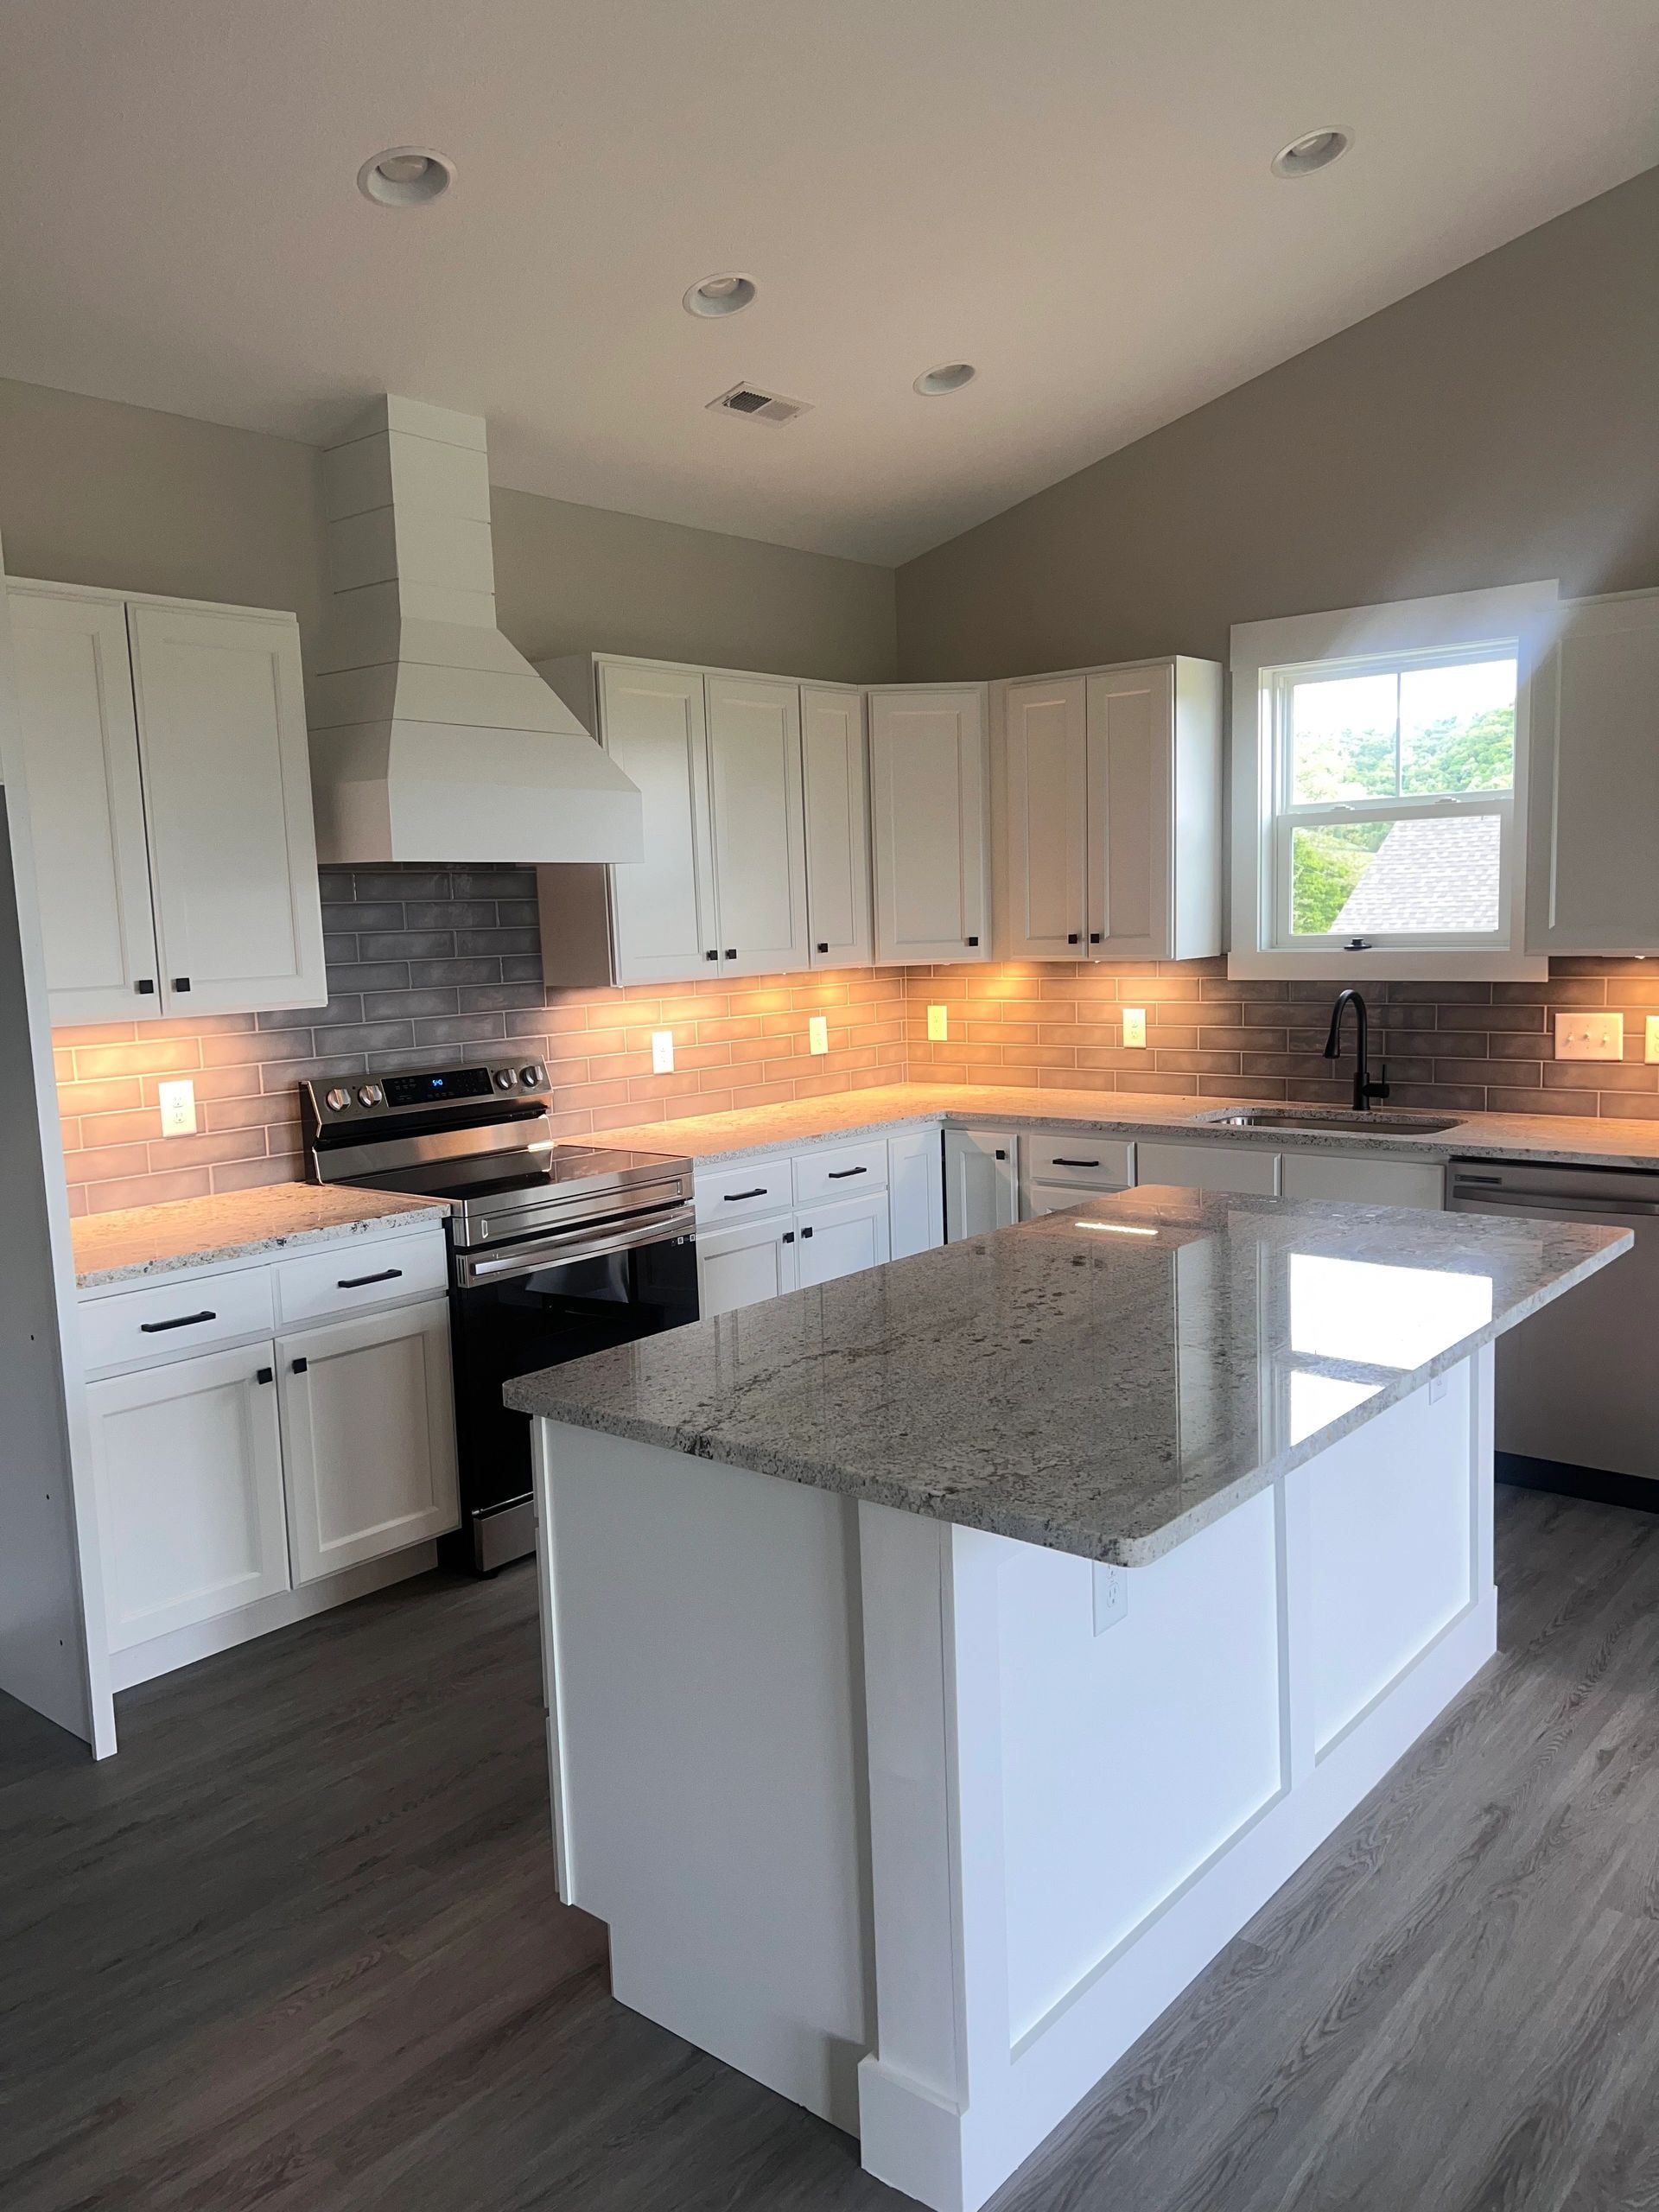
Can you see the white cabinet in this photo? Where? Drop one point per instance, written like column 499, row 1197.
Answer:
column 929, row 788
column 841, row 1236
column 758, row 824
column 1593, row 783
column 165, row 749
column 835, row 764
column 654, row 726
column 1342, row 1176
column 1238, row 1167
column 980, row 1182
column 187, row 1470
column 369, row 1436
column 916, row 1192
column 746, row 1263
column 1110, row 840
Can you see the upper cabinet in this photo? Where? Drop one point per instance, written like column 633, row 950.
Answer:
column 1593, row 782
column 1110, row 845
column 166, row 756
column 755, row 829
column 930, row 791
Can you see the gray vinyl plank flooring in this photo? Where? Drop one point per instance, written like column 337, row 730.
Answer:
column 298, row 1949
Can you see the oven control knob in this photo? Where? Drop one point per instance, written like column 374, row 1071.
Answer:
column 531, row 1075
column 504, row 1079
column 370, row 1094
column 338, row 1100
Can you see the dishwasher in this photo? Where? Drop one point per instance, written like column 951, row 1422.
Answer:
column 1578, row 1384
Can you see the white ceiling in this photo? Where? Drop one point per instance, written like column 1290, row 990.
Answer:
column 1073, row 193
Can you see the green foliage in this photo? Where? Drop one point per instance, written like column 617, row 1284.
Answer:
column 1325, row 864
column 1477, row 755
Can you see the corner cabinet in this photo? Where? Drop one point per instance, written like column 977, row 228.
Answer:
column 1593, row 785
column 1110, row 845
column 930, row 795
column 166, row 758
column 755, row 827
column 981, row 1182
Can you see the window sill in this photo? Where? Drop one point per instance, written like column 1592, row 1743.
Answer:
column 1392, row 965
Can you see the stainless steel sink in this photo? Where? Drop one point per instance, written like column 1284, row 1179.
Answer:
column 1334, row 1118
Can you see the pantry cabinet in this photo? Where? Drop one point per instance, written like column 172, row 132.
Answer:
column 1593, row 786
column 929, row 809
column 1110, row 837
column 164, row 747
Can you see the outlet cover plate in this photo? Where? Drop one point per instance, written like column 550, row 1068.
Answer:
column 1584, row 1036
column 1134, row 1025
column 177, row 1101
column 817, row 1032
column 662, row 1052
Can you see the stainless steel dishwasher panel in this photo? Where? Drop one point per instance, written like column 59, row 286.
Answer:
column 1580, row 1381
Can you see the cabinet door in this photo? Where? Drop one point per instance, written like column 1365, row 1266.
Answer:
column 1208, row 1168
column 368, row 1431
column 227, row 799
column 916, row 1192
column 663, row 924
column 842, row 1237
column 86, row 805
column 742, row 1265
column 1046, row 848
column 928, row 792
column 758, row 824
column 1338, row 1175
column 187, row 1468
column 1593, row 707
column 1130, row 724
column 835, row 763
column 981, row 1182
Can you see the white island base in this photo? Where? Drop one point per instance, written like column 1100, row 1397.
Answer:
column 922, row 1827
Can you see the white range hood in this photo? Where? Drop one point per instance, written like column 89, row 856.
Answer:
column 432, row 738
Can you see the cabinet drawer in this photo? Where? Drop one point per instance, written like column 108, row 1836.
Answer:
column 1236, row 1168
column 350, row 1276
column 725, row 1194
column 847, row 1171
column 1084, row 1162
column 175, row 1320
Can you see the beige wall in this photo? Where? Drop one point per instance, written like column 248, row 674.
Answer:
column 91, row 492
column 1502, row 424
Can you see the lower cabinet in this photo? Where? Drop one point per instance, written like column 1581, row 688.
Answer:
column 369, row 1432
column 1342, row 1175
column 1202, row 1167
column 915, row 1192
column 742, row 1265
column 187, row 1467
column 981, row 1182
column 841, row 1238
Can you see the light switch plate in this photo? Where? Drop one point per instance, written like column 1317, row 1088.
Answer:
column 1134, row 1025
column 178, row 1103
column 662, row 1052
column 938, row 1027
column 1589, row 1036
column 817, row 1032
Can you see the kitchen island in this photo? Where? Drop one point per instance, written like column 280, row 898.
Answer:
column 945, row 1663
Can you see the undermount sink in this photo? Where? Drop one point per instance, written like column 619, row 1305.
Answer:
column 1336, row 1118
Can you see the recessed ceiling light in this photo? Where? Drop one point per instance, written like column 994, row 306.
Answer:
column 951, row 376
column 719, row 296
column 405, row 176
column 1316, row 149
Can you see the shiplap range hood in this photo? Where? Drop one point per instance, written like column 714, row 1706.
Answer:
column 432, row 737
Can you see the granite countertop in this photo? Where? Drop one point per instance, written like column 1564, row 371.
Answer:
column 144, row 1241
column 1569, row 1139
column 1106, row 1382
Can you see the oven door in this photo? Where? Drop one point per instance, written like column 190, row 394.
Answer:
column 513, row 1313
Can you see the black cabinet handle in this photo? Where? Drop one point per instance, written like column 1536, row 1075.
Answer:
column 973, row 940
column 359, row 1282
column 731, row 952
column 758, row 1192
column 1094, row 937
column 184, row 1321
column 1058, row 1162
column 1002, row 1156
column 824, row 948
column 840, row 1174
column 298, row 1366
column 145, row 987
column 806, row 1232
column 711, row 956
column 266, row 1374
column 180, row 983
column 1071, row 937
column 789, row 1236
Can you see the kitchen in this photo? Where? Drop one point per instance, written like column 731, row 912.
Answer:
column 461, row 930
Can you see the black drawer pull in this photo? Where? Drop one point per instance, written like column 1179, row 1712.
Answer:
column 361, row 1282
column 266, row 1374
column 840, row 1174
column 758, row 1192
column 184, row 1321
column 1058, row 1162
column 298, row 1366
column 806, row 1232
column 145, row 987
column 180, row 983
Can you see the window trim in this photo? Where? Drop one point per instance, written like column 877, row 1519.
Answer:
column 1513, row 616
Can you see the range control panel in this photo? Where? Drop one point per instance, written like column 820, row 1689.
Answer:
column 355, row 1098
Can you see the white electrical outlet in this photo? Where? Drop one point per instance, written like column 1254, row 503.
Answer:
column 1111, row 1596
column 939, row 1027
column 1589, row 1036
column 1134, row 1025
column 1652, row 1037
column 817, row 1032
column 662, row 1052
column 178, row 1103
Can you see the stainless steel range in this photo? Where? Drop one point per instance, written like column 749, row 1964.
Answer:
column 555, row 1251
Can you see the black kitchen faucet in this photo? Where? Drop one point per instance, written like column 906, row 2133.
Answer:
column 1364, row 1089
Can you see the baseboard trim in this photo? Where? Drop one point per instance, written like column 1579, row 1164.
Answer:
column 1599, row 1485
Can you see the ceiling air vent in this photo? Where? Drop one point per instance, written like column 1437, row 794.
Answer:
column 759, row 406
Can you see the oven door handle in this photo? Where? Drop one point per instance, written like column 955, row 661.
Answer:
column 573, row 1244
